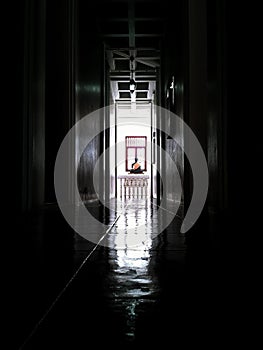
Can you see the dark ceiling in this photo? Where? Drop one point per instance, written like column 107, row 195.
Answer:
column 132, row 32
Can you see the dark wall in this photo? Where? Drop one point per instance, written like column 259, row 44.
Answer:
column 244, row 122
column 14, row 99
column 89, row 90
column 61, row 76
column 217, row 105
column 27, row 120
column 60, row 43
column 37, row 105
column 207, row 112
column 194, row 53
column 42, row 45
column 174, row 66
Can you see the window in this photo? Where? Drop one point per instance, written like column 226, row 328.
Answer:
column 136, row 148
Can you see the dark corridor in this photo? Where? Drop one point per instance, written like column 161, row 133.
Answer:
column 70, row 58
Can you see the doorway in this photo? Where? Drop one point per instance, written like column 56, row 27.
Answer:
column 133, row 140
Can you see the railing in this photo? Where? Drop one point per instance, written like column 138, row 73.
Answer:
column 133, row 186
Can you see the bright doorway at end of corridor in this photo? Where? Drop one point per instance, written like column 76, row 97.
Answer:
column 134, row 130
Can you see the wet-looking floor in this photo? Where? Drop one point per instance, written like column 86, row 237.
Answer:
column 142, row 287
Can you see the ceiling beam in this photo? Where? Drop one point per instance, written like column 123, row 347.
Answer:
column 141, row 58
column 137, row 59
column 120, row 53
column 131, row 24
column 138, row 90
column 137, row 99
column 132, row 62
column 139, row 74
column 148, row 57
column 126, row 78
column 148, row 63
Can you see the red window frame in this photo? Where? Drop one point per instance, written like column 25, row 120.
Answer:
column 130, row 143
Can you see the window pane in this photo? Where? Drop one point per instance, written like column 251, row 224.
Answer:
column 131, row 156
column 141, row 156
column 136, row 147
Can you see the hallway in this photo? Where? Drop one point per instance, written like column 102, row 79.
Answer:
column 132, row 110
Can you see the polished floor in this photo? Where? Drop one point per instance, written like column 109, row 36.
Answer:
column 71, row 293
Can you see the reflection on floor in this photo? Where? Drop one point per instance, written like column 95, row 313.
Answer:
column 141, row 291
